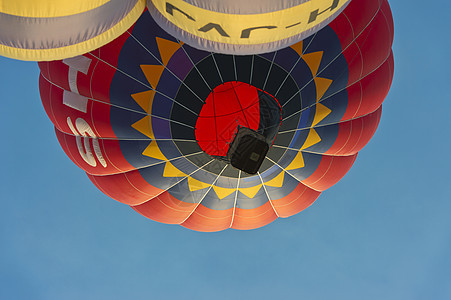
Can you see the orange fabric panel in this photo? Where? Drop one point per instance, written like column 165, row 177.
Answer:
column 245, row 219
column 301, row 198
column 129, row 188
column 166, row 209
column 330, row 170
column 209, row 220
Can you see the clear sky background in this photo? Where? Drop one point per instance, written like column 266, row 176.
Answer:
column 383, row 232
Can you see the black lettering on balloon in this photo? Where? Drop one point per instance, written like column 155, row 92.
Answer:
column 211, row 26
column 247, row 32
column 314, row 14
column 170, row 10
column 292, row 25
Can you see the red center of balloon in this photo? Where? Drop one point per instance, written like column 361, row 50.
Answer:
column 228, row 105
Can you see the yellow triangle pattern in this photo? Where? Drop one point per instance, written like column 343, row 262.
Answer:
column 167, row 49
column 321, row 113
column 250, row 192
column 298, row 47
column 312, row 139
column 322, row 84
column 313, row 60
column 154, row 151
column 276, row 181
column 145, row 100
column 195, row 185
column 297, row 163
column 222, row 192
column 171, row 171
column 145, row 127
column 153, row 74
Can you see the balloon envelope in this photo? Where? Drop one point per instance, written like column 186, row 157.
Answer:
column 243, row 27
column 151, row 119
column 48, row 30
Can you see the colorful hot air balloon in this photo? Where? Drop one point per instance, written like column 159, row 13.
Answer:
column 163, row 127
column 243, row 27
column 56, row 29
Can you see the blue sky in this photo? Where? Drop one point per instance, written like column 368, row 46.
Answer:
column 383, row 232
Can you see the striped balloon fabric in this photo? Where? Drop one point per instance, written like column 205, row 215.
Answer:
column 151, row 119
column 47, row 30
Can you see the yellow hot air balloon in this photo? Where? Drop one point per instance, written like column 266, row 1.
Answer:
column 55, row 29
column 243, row 27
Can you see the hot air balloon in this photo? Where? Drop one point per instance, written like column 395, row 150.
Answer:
column 49, row 30
column 214, row 141
column 243, row 27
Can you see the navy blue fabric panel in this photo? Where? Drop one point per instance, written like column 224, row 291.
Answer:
column 180, row 64
column 327, row 42
column 301, row 74
column 309, row 94
column 162, row 106
column 168, row 84
column 123, row 86
column 286, row 58
column 337, row 103
column 195, row 55
column 337, row 71
column 269, row 56
column 161, row 128
column 132, row 151
column 328, row 135
column 169, row 149
column 121, row 121
column 145, row 30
